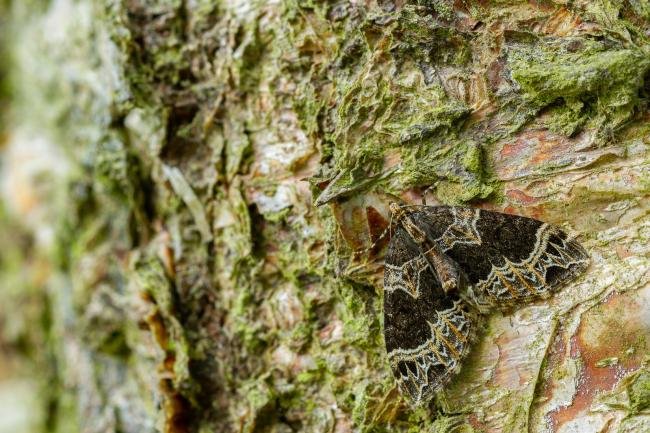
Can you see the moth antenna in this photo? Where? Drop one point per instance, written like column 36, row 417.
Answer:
column 431, row 187
column 411, row 205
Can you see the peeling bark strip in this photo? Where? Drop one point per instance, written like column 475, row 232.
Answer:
column 447, row 265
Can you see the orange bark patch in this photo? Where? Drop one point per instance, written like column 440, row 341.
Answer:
column 519, row 196
column 476, row 423
column 513, row 149
column 611, row 341
column 561, row 23
column 534, row 152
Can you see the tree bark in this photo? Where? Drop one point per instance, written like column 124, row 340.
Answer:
column 196, row 195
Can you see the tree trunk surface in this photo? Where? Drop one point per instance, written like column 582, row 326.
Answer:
column 195, row 195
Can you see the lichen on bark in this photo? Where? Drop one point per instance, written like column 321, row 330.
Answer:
column 195, row 200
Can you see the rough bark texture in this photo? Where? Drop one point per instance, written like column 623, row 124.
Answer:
column 165, row 266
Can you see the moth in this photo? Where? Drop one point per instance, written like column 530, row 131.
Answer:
column 445, row 267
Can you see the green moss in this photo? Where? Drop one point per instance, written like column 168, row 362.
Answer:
column 152, row 279
column 588, row 83
column 443, row 7
column 261, row 402
column 641, row 8
column 639, row 392
column 424, row 38
column 450, row 424
column 473, row 159
column 312, row 377
column 249, row 331
column 456, row 169
column 387, row 105
column 277, row 216
column 567, row 117
column 118, row 172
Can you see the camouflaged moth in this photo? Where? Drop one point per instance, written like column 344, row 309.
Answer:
column 447, row 265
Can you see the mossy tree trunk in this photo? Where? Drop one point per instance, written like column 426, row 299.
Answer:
column 192, row 191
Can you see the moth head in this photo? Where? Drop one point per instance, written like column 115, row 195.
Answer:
column 396, row 210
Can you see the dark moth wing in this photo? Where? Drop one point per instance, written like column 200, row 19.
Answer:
column 427, row 333
column 508, row 259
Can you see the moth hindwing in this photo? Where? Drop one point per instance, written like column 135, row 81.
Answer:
column 445, row 266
